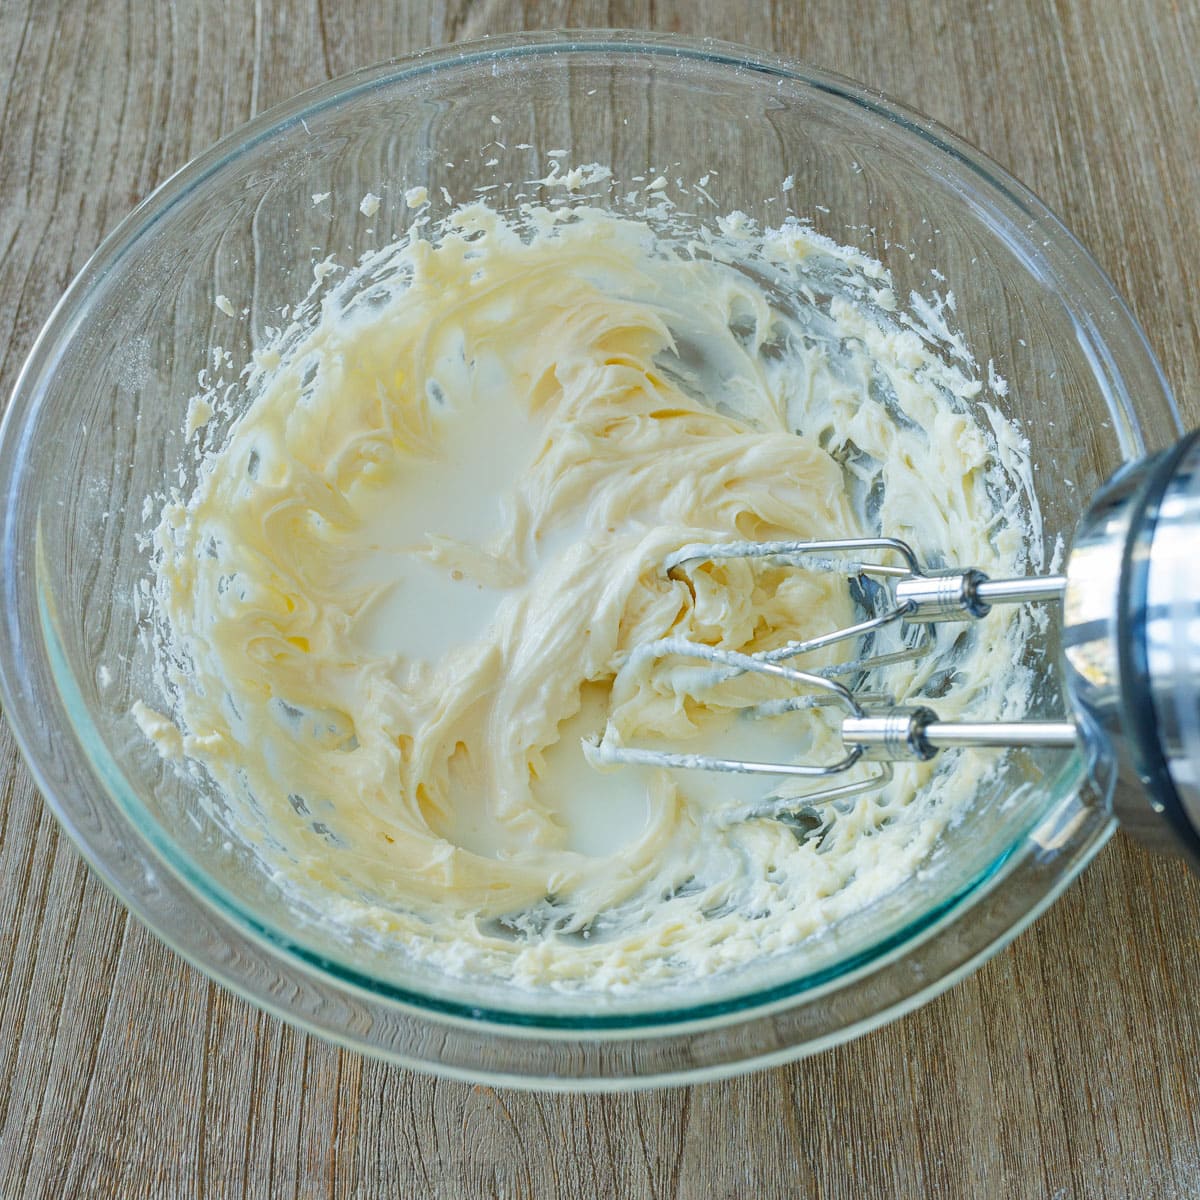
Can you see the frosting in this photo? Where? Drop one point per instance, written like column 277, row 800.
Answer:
column 395, row 598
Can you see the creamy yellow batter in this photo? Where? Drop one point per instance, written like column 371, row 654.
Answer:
column 393, row 605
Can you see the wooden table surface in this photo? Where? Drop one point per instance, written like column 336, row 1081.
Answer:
column 1069, row 1066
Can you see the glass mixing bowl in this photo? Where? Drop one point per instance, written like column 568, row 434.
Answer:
column 97, row 423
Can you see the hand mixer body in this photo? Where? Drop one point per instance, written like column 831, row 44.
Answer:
column 1131, row 643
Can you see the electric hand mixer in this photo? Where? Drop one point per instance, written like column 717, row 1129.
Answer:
column 1130, row 631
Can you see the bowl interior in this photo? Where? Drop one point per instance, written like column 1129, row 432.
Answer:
column 100, row 417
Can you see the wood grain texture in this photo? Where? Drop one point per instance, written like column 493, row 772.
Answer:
column 1069, row 1066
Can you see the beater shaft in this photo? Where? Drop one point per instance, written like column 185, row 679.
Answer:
column 1022, row 591
column 1059, row 735
column 914, row 734
column 951, row 595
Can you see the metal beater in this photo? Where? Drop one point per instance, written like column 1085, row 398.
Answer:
column 1130, row 623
